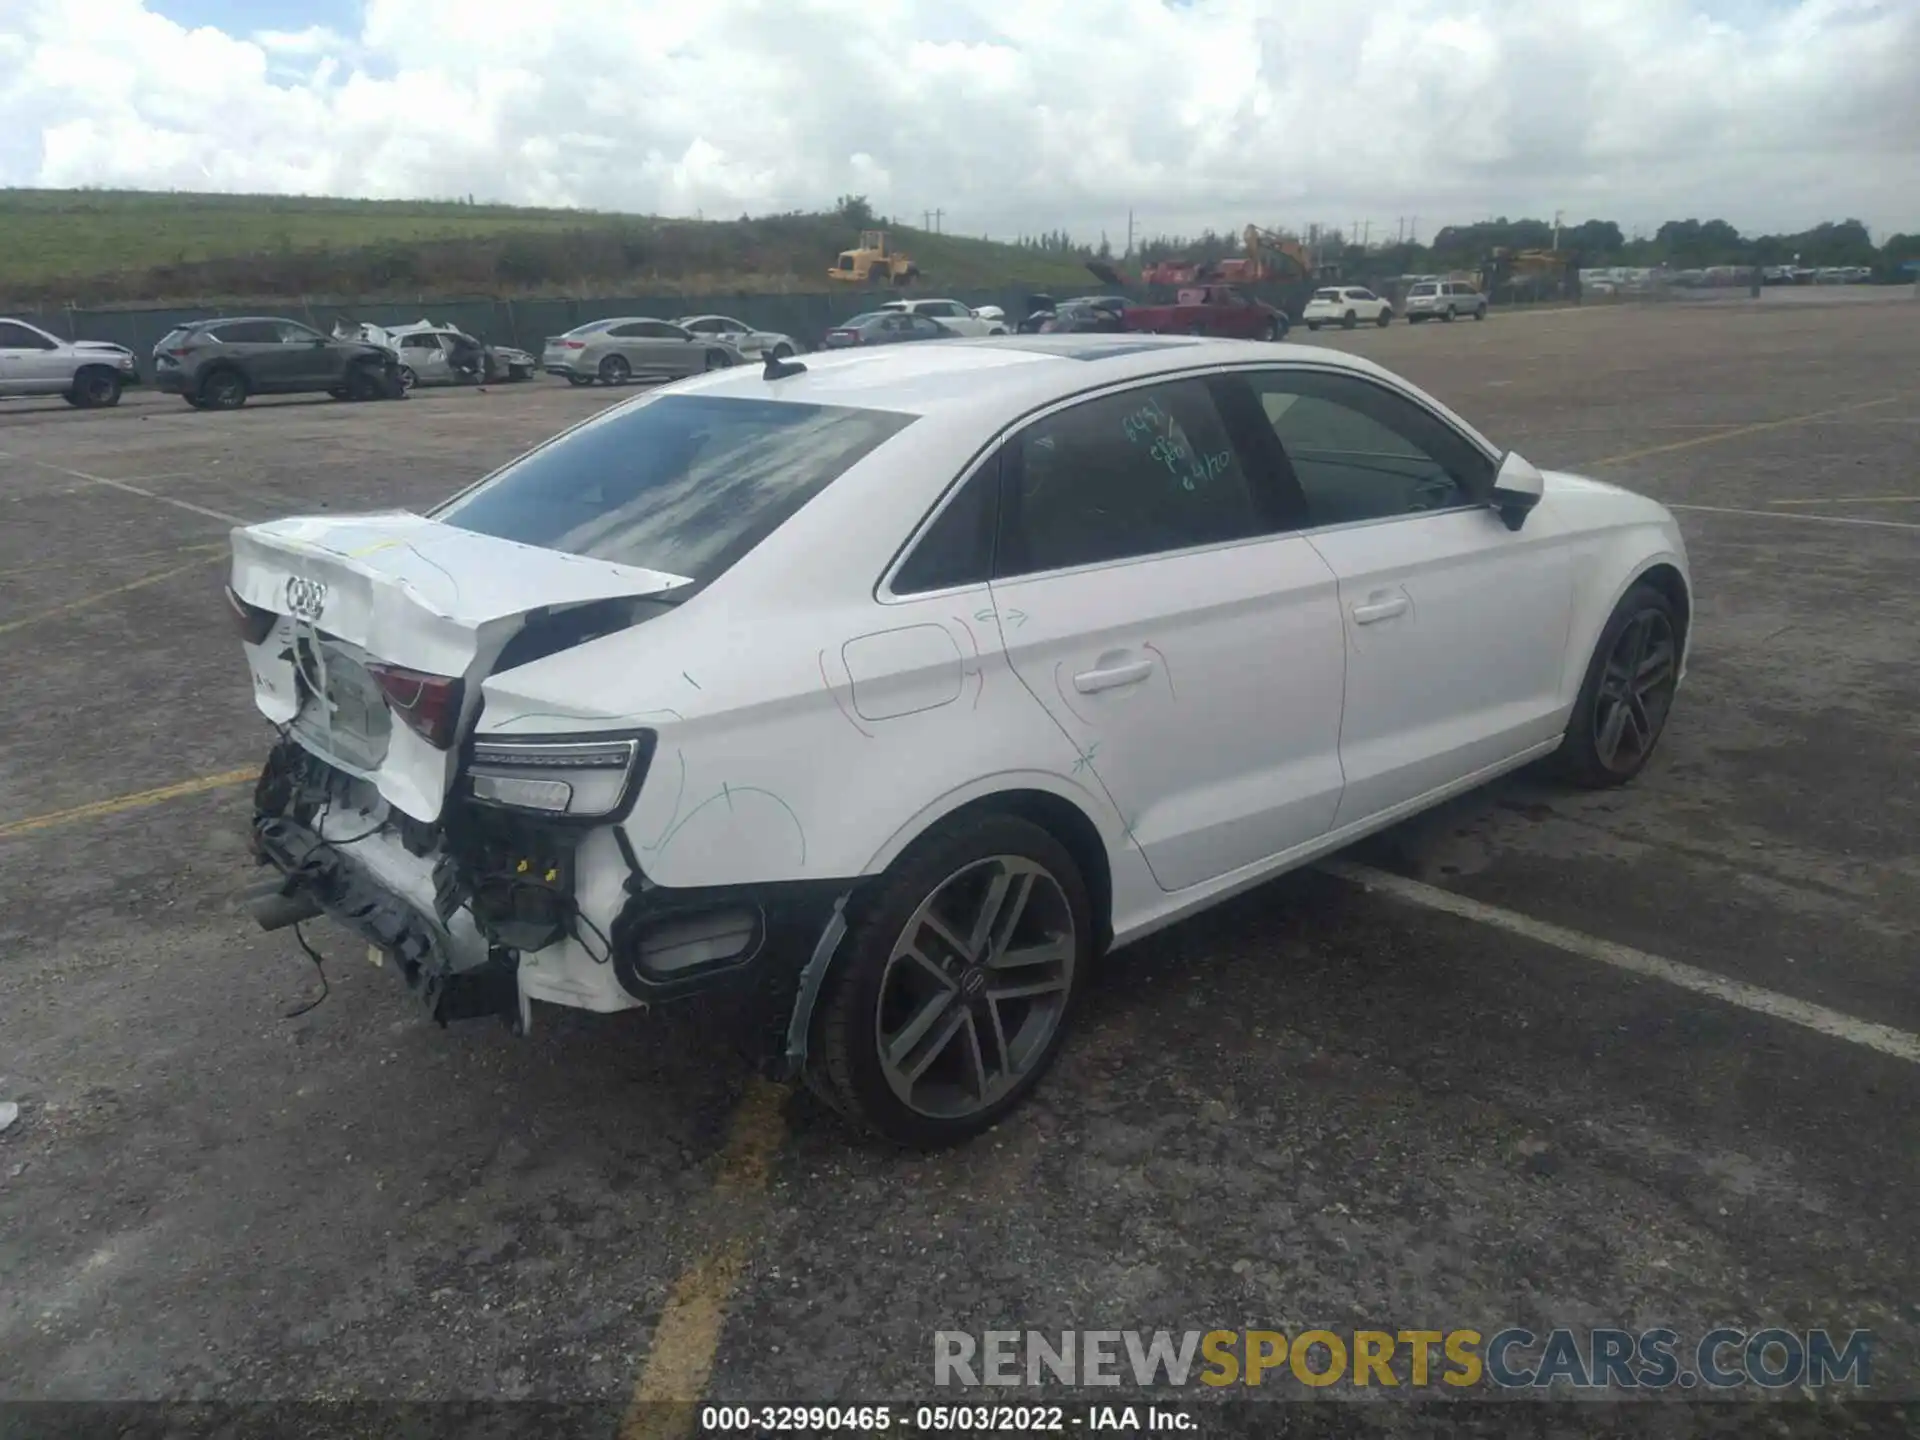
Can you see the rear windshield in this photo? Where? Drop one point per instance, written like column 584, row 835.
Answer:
column 1423, row 290
column 1326, row 294
column 686, row 484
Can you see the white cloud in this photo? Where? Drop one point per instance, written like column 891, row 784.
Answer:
column 1008, row 117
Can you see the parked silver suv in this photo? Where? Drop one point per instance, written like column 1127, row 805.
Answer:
column 1444, row 299
column 84, row 373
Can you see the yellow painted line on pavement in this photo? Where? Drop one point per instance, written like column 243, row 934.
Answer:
column 43, row 565
column 94, row 599
column 685, row 1341
column 1738, row 431
column 120, row 804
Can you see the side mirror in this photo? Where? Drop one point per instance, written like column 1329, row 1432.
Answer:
column 1517, row 489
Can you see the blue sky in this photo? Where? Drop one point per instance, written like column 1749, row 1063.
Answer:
column 240, row 17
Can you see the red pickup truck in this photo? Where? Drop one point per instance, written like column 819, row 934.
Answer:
column 1210, row 310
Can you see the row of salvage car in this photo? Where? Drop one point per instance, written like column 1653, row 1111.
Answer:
column 221, row 362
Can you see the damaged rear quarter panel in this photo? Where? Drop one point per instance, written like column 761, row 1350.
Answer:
column 766, row 768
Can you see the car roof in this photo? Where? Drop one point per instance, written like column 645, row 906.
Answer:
column 715, row 315
column 213, row 320
column 1007, row 373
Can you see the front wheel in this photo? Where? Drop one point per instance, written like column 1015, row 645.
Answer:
column 1272, row 332
column 1384, row 319
column 1480, row 312
column 579, row 379
column 1313, row 324
column 1627, row 695
column 957, row 983
column 1349, row 320
column 717, row 360
column 407, row 378
column 1448, row 317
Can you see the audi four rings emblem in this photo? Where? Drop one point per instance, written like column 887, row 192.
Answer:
column 305, row 598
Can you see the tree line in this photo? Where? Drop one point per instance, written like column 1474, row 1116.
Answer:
column 1677, row 244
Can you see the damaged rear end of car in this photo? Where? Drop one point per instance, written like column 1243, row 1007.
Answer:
column 367, row 640
column 474, row 839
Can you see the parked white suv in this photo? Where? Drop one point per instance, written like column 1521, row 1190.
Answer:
column 86, row 373
column 1346, row 306
column 1444, row 299
column 990, row 320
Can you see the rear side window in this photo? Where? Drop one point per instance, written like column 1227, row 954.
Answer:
column 1133, row 474
column 957, row 549
column 1326, row 294
column 1422, row 290
column 686, row 484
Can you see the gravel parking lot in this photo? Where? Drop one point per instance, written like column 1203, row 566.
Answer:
column 1436, row 1090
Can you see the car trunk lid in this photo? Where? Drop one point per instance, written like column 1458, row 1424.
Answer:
column 362, row 620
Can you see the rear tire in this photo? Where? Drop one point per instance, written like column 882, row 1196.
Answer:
column 579, row 379
column 921, row 1050
column 783, row 351
column 1448, row 317
column 408, row 379
column 1627, row 696
column 1272, row 332
column 224, row 389
column 1480, row 312
column 717, row 360
column 1313, row 325
column 614, row 370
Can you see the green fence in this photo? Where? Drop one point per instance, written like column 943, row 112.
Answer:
column 527, row 322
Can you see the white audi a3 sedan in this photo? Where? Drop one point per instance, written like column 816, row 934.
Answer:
column 892, row 689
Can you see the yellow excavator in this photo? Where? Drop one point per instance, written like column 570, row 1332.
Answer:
column 1538, row 270
column 874, row 261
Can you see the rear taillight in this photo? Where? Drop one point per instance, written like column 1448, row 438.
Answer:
column 429, row 704
column 573, row 344
column 253, row 623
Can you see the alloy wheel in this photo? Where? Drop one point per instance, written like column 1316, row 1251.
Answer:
column 1636, row 692
column 976, row 987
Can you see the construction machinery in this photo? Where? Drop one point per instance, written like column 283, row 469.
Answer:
column 1540, row 271
column 1273, row 256
column 874, row 261
column 1268, row 257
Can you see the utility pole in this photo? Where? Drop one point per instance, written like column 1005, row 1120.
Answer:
column 1413, row 231
column 1129, row 254
column 1556, row 228
column 1366, row 234
column 937, row 216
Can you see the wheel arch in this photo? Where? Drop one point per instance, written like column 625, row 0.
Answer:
column 1666, row 571
column 1028, row 798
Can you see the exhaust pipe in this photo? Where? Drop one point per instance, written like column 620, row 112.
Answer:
column 274, row 909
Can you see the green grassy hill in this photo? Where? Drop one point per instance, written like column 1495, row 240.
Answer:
column 103, row 246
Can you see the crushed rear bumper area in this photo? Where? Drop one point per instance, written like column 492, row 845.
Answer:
column 316, row 876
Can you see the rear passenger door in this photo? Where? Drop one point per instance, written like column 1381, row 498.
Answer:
column 1190, row 650
column 1456, row 626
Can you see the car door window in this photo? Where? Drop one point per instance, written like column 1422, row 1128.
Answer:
column 1361, row 452
column 419, row 343
column 18, row 337
column 923, row 328
column 1139, row 473
column 251, row 332
column 288, row 333
column 628, row 332
column 660, row 330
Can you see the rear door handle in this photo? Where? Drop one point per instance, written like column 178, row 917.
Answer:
column 1088, row 681
column 1380, row 610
